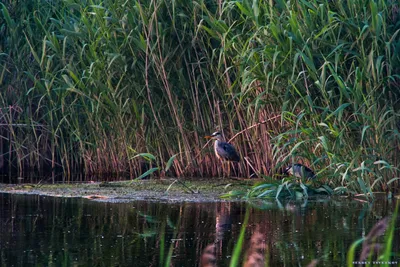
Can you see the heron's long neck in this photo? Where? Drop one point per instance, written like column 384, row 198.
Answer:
column 216, row 144
column 218, row 141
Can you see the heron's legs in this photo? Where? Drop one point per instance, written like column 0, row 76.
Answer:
column 223, row 168
column 226, row 174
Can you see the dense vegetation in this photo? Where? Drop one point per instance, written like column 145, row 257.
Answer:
column 87, row 85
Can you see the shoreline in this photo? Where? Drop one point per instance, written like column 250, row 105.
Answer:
column 165, row 190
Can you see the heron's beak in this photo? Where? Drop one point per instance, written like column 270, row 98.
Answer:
column 208, row 137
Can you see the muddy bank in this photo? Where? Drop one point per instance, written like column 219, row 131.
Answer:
column 167, row 190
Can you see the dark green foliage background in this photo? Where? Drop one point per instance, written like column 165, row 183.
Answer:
column 85, row 85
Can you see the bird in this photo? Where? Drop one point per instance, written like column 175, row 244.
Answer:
column 223, row 150
column 300, row 171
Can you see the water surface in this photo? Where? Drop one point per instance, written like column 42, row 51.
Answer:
column 48, row 231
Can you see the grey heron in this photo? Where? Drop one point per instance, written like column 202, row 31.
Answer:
column 223, row 150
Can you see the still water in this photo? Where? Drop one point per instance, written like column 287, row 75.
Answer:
column 48, row 231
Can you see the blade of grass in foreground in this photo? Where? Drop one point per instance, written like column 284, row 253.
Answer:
column 351, row 252
column 370, row 241
column 389, row 237
column 172, row 245
column 239, row 244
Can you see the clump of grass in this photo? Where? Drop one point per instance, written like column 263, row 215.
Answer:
column 287, row 188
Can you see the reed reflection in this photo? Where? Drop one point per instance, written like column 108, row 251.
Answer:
column 55, row 231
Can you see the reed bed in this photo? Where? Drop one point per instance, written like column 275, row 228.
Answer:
column 87, row 85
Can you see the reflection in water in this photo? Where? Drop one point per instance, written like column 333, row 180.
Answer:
column 62, row 232
column 256, row 253
column 208, row 258
column 370, row 247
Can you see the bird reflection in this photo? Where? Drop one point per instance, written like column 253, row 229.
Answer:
column 223, row 224
column 255, row 254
